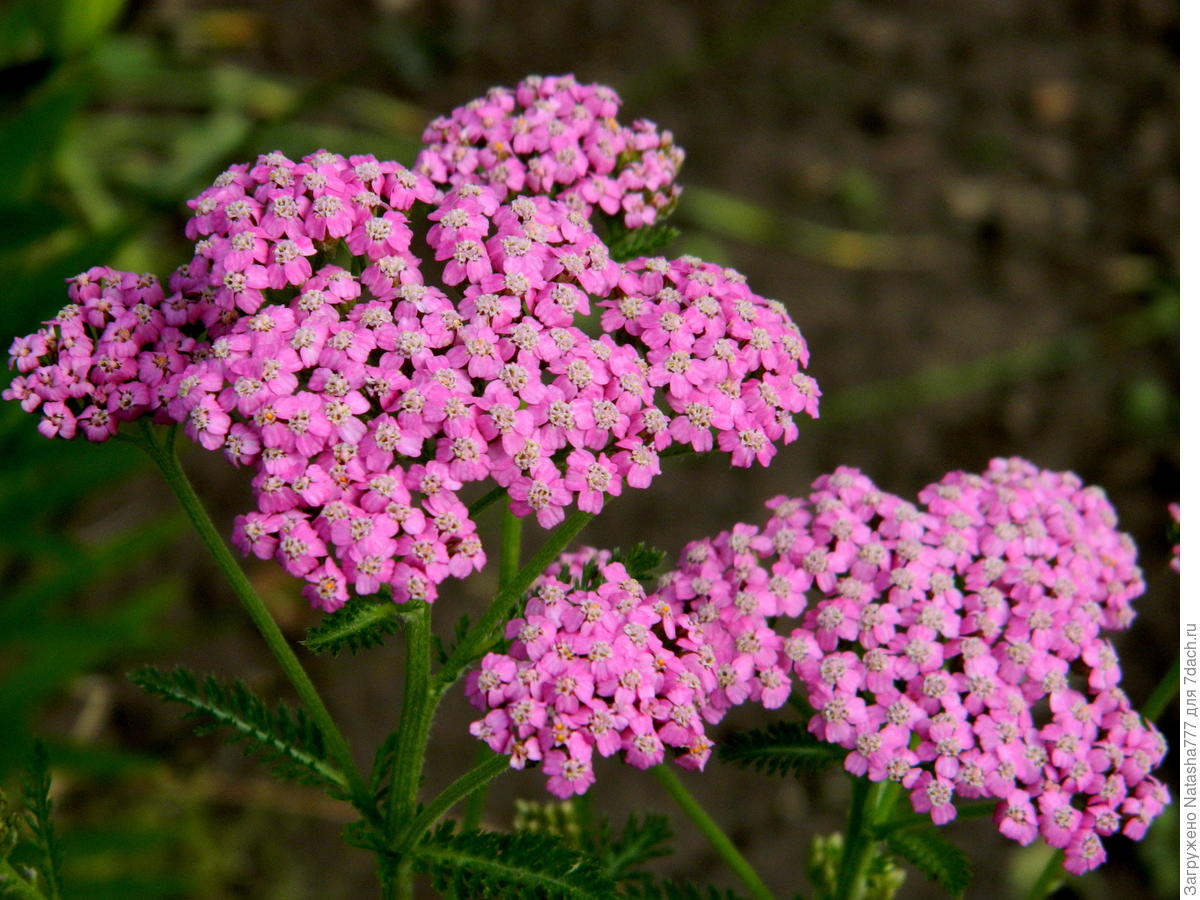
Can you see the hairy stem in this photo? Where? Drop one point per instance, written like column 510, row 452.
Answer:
column 859, row 841
column 466, row 785
column 487, row 629
column 416, row 718
column 510, row 548
column 1163, row 694
column 712, row 831
column 478, row 800
column 510, row 562
column 162, row 452
column 1051, row 877
column 982, row 809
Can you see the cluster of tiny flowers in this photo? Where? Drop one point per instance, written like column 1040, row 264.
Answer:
column 591, row 669
column 556, row 137
column 955, row 649
column 727, row 360
column 365, row 398
column 96, row 363
column 368, row 345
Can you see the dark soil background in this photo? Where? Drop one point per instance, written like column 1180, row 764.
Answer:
column 971, row 210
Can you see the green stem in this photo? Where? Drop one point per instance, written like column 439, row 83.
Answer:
column 510, row 547
column 510, row 562
column 465, row 785
column 888, row 793
column 486, row 630
column 478, row 800
column 485, row 501
column 13, row 884
column 163, row 454
column 859, row 841
column 1051, row 875
column 416, row 718
column 982, row 810
column 712, row 831
column 1163, row 694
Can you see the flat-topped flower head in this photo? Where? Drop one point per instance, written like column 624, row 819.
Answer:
column 589, row 670
column 728, row 362
column 369, row 352
column 556, row 137
column 97, row 363
column 955, row 647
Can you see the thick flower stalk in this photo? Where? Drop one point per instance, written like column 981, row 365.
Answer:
column 554, row 136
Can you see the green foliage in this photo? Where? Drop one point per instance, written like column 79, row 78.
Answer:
column 642, row 839
column 561, row 819
column 285, row 739
column 362, row 623
column 676, row 890
column 934, row 856
column 782, row 748
column 38, row 810
column 641, row 560
column 882, row 877
column 519, row 866
column 626, row 244
column 461, row 628
column 381, row 768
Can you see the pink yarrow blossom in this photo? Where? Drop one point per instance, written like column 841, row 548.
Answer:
column 937, row 634
column 553, row 135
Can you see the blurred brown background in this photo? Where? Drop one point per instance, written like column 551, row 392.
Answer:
column 971, row 210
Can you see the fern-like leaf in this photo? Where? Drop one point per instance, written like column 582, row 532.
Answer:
column 38, row 810
column 381, row 768
column 285, row 739
column 641, row 840
column 627, row 244
column 782, row 748
column 461, row 627
column 641, row 560
column 364, row 622
column 509, row 866
column 936, row 858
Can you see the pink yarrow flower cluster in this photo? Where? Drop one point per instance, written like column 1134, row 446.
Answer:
column 556, row 137
column 365, row 398
column 955, row 648
column 727, row 360
column 590, row 671
column 368, row 346
column 97, row 363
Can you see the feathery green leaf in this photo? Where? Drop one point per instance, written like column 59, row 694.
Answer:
column 641, row 840
column 362, row 623
column 285, row 739
column 782, row 748
column 509, row 866
column 627, row 244
column 641, row 560
column 937, row 859
column 461, row 627
column 38, row 810
column 381, row 768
